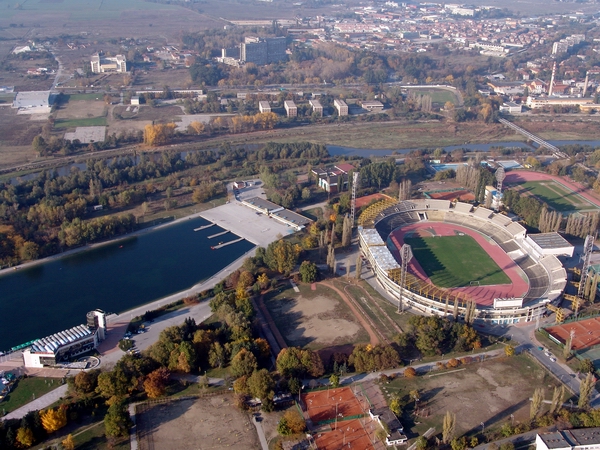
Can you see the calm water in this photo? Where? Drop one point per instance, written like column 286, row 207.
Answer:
column 51, row 297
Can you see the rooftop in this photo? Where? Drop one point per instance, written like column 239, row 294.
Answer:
column 554, row 440
column 549, row 240
column 291, row 216
column 263, row 204
column 52, row 343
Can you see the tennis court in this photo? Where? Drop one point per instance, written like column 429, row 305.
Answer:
column 586, row 333
column 327, row 405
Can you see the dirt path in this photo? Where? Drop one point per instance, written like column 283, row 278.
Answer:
column 271, row 324
column 373, row 339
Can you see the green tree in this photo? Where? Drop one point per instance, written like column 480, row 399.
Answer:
column 244, row 363
column 117, row 421
column 585, row 391
column 536, row 403
column 281, row 256
column 308, row 272
column 334, row 380
column 509, row 350
column 586, row 366
column 260, row 384
column 85, row 382
column 396, row 406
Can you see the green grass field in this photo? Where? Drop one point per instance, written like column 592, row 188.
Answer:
column 26, row 389
column 73, row 123
column 438, row 96
column 556, row 196
column 456, row 261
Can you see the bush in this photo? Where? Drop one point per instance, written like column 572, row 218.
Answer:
column 410, row 372
column 126, row 344
column 453, row 363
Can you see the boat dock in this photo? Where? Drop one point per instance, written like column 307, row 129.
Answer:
column 204, row 227
column 225, row 244
column 218, row 234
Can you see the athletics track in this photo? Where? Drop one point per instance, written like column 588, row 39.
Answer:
column 483, row 295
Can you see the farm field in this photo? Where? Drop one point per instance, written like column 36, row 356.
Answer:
column 177, row 424
column 86, row 122
column 556, row 196
column 487, row 392
column 314, row 319
column 455, row 261
column 439, row 96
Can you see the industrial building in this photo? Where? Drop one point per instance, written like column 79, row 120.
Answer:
column 33, row 102
column 584, row 438
column 341, row 107
column 103, row 64
column 543, row 102
column 290, row 108
column 372, row 106
column 64, row 345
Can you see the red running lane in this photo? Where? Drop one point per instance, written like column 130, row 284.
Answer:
column 522, row 176
column 483, row 295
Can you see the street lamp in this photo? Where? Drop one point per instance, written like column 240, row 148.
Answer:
column 483, row 427
column 512, row 420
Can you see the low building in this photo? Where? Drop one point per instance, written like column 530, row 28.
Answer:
column 290, row 108
column 543, row 102
column 544, row 244
column 277, row 212
column 385, row 416
column 333, row 179
column 61, row 347
column 264, row 107
column 372, row 106
column 316, row 107
column 103, row 64
column 581, row 439
column 511, row 108
column 341, row 107
column 33, row 102
column 135, row 100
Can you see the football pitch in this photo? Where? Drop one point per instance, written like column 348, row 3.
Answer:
column 556, row 196
column 456, row 261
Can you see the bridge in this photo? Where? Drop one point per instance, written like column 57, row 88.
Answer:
column 555, row 150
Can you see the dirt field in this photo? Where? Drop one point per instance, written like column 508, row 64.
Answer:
column 82, row 109
column 486, row 392
column 207, row 423
column 314, row 319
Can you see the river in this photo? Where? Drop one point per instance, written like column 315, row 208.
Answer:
column 49, row 297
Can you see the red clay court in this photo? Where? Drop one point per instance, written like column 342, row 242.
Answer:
column 587, row 332
column 321, row 405
column 483, row 295
column 347, row 434
column 461, row 195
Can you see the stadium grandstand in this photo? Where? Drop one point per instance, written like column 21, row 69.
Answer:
column 538, row 277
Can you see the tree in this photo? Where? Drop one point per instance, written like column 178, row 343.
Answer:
column 117, row 421
column 85, row 382
column 410, row 372
column 156, row 382
column 25, row 437
column 557, row 398
column 244, row 363
column 68, row 443
column 586, row 366
column 585, row 390
column 291, row 423
column 509, row 350
column 536, row 403
column 281, row 256
column 396, row 406
column 448, row 427
column 459, row 443
column 196, row 127
column 308, row 271
column 217, row 355
column 260, row 384
column 53, row 419
column 334, row 380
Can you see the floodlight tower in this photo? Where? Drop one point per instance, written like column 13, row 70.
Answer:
column 406, row 255
column 353, row 204
column 588, row 248
column 500, row 176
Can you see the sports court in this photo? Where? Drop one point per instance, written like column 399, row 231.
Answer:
column 586, row 333
column 348, row 434
column 326, row 405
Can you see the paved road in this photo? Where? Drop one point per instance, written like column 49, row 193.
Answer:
column 39, row 403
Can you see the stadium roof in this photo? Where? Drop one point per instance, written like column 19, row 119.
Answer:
column 52, row 343
column 384, row 258
column 549, row 240
column 371, row 237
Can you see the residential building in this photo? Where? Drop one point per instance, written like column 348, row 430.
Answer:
column 341, row 106
column 264, row 106
column 102, row 64
column 317, row 107
column 263, row 51
column 290, row 108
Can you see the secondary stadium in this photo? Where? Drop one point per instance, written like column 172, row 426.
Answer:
column 467, row 260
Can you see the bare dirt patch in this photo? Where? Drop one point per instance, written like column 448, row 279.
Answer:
column 196, row 423
column 82, row 109
column 314, row 321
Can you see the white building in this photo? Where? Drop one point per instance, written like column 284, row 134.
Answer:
column 264, row 107
column 581, row 439
column 33, row 102
column 544, row 244
column 341, row 106
column 317, row 107
column 67, row 344
column 290, row 108
column 102, row 64
column 511, row 108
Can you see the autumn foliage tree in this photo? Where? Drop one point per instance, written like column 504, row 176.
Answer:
column 158, row 134
column 25, row 437
column 53, row 419
column 156, row 383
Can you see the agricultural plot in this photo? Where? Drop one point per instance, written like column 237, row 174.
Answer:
column 456, row 261
column 556, row 196
column 438, row 96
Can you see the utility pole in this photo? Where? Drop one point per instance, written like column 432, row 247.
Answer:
column 406, row 254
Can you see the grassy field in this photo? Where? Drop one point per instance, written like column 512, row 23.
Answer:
column 455, row 261
column 25, row 390
column 74, row 123
column 481, row 392
column 556, row 196
column 84, row 97
column 439, row 96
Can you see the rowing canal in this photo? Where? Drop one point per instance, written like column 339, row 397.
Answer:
column 49, row 297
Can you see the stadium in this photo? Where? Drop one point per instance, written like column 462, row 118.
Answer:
column 468, row 261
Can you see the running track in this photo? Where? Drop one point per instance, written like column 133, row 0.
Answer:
column 483, row 295
column 522, row 176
